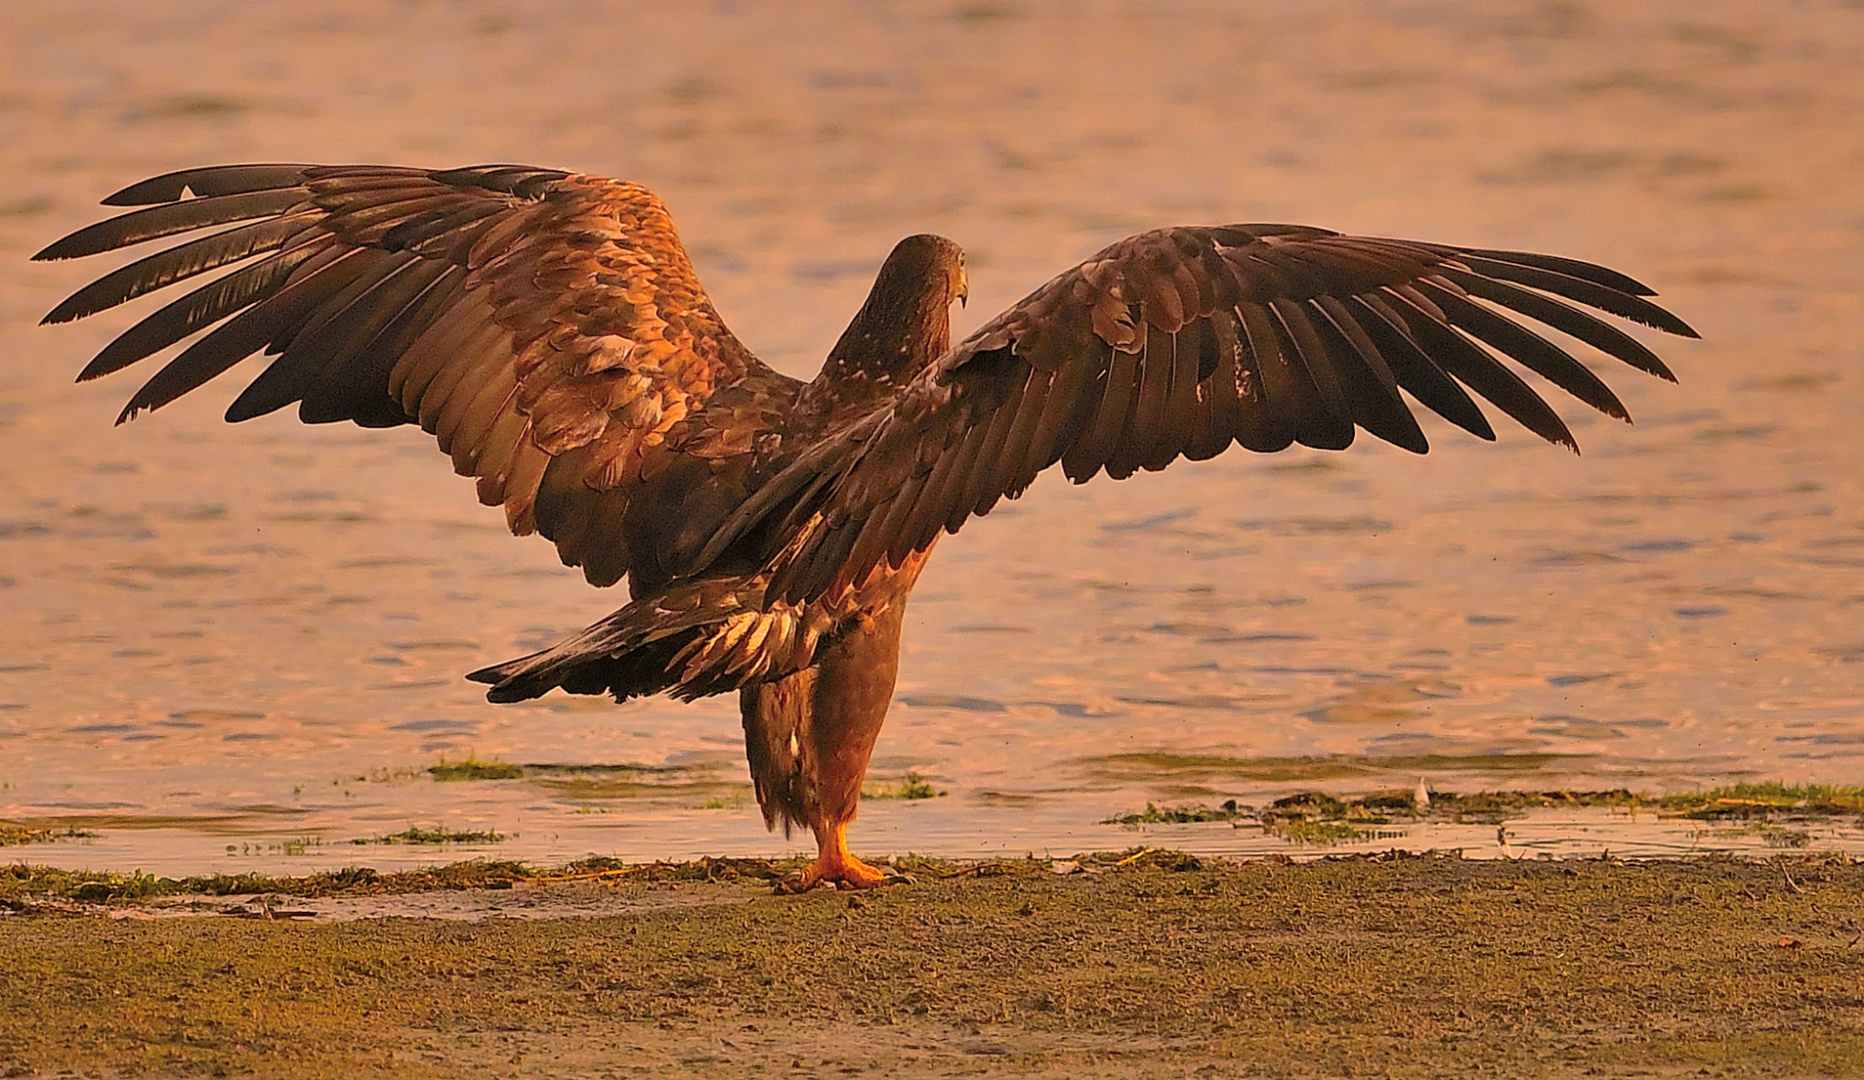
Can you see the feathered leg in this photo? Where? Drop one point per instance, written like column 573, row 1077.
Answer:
column 809, row 736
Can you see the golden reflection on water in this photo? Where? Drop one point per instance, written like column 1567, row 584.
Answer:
column 214, row 631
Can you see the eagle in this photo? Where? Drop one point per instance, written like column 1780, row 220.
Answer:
column 548, row 329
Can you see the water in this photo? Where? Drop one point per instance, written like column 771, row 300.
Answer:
column 239, row 647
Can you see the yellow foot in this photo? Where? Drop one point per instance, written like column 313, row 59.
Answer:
column 850, row 873
column 835, row 867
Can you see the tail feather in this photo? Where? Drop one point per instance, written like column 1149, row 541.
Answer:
column 694, row 639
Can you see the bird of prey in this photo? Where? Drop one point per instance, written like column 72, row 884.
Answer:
column 548, row 329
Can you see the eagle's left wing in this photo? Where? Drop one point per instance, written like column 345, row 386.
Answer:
column 1180, row 342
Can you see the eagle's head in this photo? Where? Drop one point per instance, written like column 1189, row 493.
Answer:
column 905, row 324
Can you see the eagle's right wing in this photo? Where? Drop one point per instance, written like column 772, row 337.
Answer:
column 547, row 327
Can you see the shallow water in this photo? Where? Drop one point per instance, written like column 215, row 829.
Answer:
column 237, row 647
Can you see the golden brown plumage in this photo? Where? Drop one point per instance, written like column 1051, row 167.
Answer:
column 549, row 330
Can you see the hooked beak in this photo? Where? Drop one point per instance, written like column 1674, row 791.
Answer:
column 964, row 287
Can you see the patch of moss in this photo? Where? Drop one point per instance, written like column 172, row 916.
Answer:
column 1154, row 859
column 1182, row 815
column 1386, row 807
column 22, row 886
column 1766, row 799
column 297, row 845
column 20, row 883
column 474, row 769
column 1308, row 805
column 12, row 834
column 1493, row 807
column 1303, row 831
column 911, row 786
column 719, row 869
column 439, row 834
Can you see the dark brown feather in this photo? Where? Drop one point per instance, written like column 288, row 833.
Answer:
column 211, row 181
column 1415, row 370
column 1177, row 343
column 1475, row 369
column 169, row 219
column 247, row 332
column 201, row 308
column 1262, row 425
column 1331, row 426
column 353, row 273
column 1528, row 348
column 1590, row 293
column 1600, row 275
column 306, row 348
column 1102, row 435
column 186, row 260
column 367, row 332
column 1371, row 393
column 1564, row 317
column 1146, row 433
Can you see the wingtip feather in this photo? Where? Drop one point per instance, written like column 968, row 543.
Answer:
column 212, row 180
column 492, row 674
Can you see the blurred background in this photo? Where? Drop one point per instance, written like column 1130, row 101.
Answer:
column 228, row 647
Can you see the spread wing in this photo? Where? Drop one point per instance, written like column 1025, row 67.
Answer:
column 547, row 327
column 1181, row 342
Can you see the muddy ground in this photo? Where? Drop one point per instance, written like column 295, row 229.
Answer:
column 1166, row 966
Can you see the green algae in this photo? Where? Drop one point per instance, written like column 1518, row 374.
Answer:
column 296, row 845
column 439, row 834
column 13, row 834
column 23, row 885
column 1322, row 817
column 473, row 769
column 1767, row 799
column 1182, row 815
column 910, row 786
column 1322, row 833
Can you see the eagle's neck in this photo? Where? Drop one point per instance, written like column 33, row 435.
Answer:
column 904, row 326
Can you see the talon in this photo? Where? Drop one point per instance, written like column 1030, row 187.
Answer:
column 836, row 867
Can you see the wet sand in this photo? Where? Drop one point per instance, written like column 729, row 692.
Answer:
column 1162, row 967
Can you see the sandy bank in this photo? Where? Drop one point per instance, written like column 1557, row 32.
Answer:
column 1406, row 966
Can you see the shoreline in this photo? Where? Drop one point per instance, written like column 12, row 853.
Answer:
column 1157, row 964
column 28, row 889
column 1744, row 820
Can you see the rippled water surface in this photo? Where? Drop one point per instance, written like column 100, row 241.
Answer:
column 239, row 647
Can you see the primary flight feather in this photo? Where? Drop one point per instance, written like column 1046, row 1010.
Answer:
column 548, row 329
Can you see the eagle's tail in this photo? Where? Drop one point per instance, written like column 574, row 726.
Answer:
column 692, row 639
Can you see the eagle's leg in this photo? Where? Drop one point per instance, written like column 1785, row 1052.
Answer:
column 809, row 738
column 835, row 864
